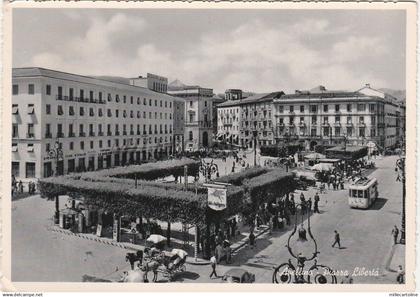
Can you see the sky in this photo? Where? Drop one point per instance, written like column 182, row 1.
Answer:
column 252, row 50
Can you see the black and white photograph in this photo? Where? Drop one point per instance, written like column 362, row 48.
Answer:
column 210, row 146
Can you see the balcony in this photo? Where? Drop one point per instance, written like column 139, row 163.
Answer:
column 109, row 133
column 117, row 133
column 71, row 134
column 337, row 124
column 325, row 124
column 100, row 133
column 60, row 134
column 131, row 132
column 362, row 124
column 91, row 133
column 124, row 133
column 349, row 124
column 302, row 124
column 30, row 135
column 82, row 134
column 47, row 135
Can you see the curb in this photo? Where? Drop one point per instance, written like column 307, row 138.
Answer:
column 125, row 246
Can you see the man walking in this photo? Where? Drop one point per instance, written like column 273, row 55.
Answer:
column 336, row 239
column 251, row 239
column 316, row 209
column 395, row 233
column 213, row 263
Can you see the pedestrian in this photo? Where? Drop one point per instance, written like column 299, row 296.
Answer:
column 251, row 239
column 316, row 201
column 400, row 275
column 309, row 204
column 395, row 233
column 270, row 225
column 302, row 204
column 336, row 239
column 213, row 263
column 20, row 186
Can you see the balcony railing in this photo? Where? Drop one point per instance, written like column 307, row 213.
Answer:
column 109, row 133
column 30, row 135
column 100, row 133
column 82, row 134
column 47, row 135
column 91, row 133
column 71, row 134
column 60, row 134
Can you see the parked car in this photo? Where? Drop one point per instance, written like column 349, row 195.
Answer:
column 238, row 275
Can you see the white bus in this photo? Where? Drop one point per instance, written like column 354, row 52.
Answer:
column 363, row 193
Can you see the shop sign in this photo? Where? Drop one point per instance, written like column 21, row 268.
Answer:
column 217, row 196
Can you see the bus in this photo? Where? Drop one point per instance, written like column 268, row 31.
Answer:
column 363, row 193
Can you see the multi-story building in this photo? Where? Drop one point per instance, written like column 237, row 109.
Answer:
column 245, row 121
column 322, row 117
column 198, row 115
column 178, row 124
column 229, row 121
column 96, row 123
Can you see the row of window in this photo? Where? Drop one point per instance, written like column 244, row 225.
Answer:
column 82, row 112
column 125, row 142
column 328, row 132
column 72, row 97
column 161, row 129
column 337, row 119
column 326, row 108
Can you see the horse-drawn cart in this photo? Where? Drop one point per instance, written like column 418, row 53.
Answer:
column 166, row 263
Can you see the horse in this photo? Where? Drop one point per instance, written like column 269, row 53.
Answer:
column 152, row 265
column 134, row 257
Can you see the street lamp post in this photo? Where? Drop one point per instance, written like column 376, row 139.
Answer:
column 303, row 247
column 400, row 168
column 57, row 154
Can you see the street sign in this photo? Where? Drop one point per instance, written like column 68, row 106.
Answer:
column 217, row 196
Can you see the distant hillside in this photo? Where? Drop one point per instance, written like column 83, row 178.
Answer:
column 399, row 94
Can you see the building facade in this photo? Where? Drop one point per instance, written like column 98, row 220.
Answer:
column 96, row 123
column 178, row 124
column 247, row 121
column 198, row 114
column 322, row 117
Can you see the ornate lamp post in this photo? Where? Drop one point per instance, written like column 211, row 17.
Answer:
column 207, row 169
column 400, row 169
column 56, row 153
column 303, row 250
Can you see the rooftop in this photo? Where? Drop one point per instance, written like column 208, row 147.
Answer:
column 262, row 97
column 106, row 81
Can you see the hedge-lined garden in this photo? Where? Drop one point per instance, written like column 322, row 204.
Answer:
column 114, row 190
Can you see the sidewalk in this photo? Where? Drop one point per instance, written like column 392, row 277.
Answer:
column 135, row 247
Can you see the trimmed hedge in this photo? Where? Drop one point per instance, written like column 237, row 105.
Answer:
column 238, row 178
column 149, row 171
column 167, row 201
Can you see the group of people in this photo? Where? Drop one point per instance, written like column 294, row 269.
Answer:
column 17, row 186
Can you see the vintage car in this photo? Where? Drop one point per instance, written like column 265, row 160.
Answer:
column 238, row 275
